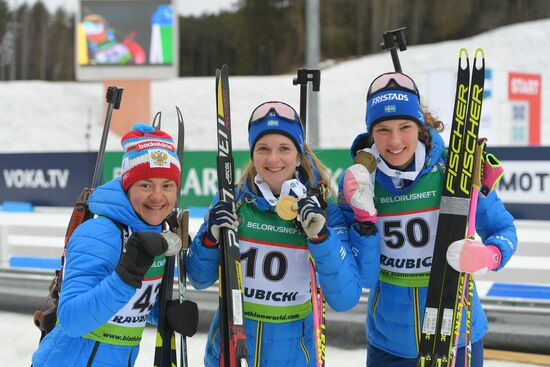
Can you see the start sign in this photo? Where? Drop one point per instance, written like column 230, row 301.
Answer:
column 527, row 87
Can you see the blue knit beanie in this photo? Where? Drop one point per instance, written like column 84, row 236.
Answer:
column 392, row 103
column 273, row 124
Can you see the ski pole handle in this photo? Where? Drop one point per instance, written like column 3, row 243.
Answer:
column 305, row 76
column 114, row 95
column 393, row 39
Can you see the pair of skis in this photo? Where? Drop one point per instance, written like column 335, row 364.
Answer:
column 165, row 345
column 233, row 351
column 443, row 314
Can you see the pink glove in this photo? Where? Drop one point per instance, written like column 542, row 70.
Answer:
column 359, row 194
column 471, row 256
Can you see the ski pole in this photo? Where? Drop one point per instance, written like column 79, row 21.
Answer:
column 305, row 76
column 183, row 228
column 317, row 299
column 165, row 345
column 466, row 298
column 318, row 305
column 393, row 39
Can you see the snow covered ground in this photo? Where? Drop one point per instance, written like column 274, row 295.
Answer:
column 19, row 338
column 42, row 116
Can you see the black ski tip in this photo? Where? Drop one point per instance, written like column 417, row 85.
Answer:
column 157, row 120
column 463, row 59
column 180, row 116
column 479, row 55
column 479, row 51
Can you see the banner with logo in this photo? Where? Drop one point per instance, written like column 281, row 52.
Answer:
column 45, row 179
column 525, row 187
column 199, row 176
column 56, row 179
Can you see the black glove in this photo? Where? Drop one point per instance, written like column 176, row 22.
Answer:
column 220, row 216
column 138, row 255
column 312, row 218
column 183, row 317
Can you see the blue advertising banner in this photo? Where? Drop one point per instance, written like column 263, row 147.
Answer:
column 525, row 187
column 45, row 179
column 56, row 179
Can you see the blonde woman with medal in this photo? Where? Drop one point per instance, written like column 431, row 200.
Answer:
column 275, row 251
column 392, row 208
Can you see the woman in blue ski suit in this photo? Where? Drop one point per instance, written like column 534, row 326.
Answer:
column 275, row 251
column 393, row 214
column 110, row 288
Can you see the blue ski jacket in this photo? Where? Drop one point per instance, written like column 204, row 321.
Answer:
column 92, row 292
column 395, row 313
column 289, row 343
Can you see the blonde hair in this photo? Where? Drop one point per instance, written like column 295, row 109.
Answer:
column 307, row 169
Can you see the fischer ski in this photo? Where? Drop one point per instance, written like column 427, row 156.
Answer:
column 233, row 351
column 46, row 317
column 443, row 313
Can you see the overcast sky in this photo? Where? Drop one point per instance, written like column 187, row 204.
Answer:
column 185, row 7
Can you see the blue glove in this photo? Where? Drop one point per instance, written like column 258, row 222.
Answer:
column 220, row 216
column 313, row 219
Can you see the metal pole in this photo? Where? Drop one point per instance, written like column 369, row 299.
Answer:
column 313, row 57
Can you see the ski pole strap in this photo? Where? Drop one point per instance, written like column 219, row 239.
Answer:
column 488, row 169
column 492, row 174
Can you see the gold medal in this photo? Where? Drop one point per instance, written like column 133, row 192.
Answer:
column 284, row 207
column 366, row 159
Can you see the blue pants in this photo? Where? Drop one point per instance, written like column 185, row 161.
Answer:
column 379, row 358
